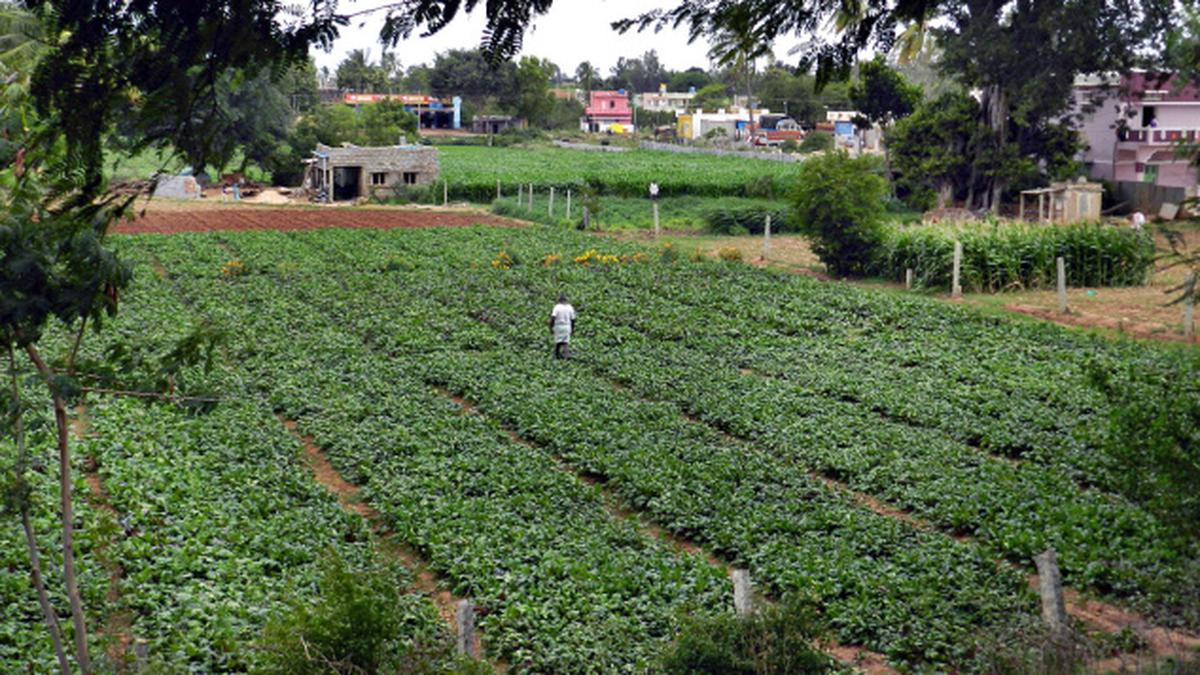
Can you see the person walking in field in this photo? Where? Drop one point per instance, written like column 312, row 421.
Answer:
column 562, row 323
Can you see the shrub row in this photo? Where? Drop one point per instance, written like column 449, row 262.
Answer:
column 998, row 257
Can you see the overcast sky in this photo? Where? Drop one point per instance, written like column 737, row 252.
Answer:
column 573, row 31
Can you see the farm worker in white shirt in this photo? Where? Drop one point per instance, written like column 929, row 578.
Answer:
column 653, row 191
column 1138, row 220
column 562, row 322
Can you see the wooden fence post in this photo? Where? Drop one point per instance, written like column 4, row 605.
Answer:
column 1054, row 608
column 956, row 281
column 743, row 593
column 141, row 655
column 466, row 629
column 1061, row 264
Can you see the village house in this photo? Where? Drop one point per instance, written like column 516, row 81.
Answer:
column 351, row 172
column 431, row 112
column 1133, row 125
column 607, row 111
column 665, row 101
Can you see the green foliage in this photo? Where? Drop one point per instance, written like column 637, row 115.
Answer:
column 358, row 622
column 472, row 172
column 1153, row 440
column 687, row 79
column 817, row 141
column 1014, row 256
column 929, row 150
column 711, row 97
column 882, row 94
column 728, row 216
column 777, row 639
column 839, row 205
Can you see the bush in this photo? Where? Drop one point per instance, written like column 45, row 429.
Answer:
column 839, row 205
column 733, row 218
column 775, row 640
column 359, row 622
column 817, row 141
column 730, row 254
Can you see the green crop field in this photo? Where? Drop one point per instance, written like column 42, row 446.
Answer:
column 471, row 172
column 747, row 411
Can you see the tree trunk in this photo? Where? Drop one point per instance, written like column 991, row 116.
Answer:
column 67, row 515
column 996, row 111
column 35, row 560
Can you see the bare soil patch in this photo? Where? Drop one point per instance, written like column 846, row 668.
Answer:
column 289, row 219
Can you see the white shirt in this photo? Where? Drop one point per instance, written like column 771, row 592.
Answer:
column 563, row 314
column 1138, row 220
column 654, row 189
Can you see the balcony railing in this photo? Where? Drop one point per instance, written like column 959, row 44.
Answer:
column 1163, row 136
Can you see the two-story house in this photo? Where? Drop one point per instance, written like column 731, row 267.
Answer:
column 607, row 110
column 1138, row 124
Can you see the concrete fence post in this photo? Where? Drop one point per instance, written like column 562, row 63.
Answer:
column 1061, row 264
column 956, row 281
column 908, row 278
column 586, row 218
column 1189, row 309
column 1054, row 608
column 531, row 196
column 550, row 208
column 466, row 630
column 656, row 231
column 743, row 593
column 568, row 203
column 766, row 237
column 498, row 195
column 445, row 193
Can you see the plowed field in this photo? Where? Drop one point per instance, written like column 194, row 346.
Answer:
column 300, row 219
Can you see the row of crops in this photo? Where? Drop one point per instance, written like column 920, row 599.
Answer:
column 726, row 215
column 1001, row 257
column 471, row 173
column 712, row 399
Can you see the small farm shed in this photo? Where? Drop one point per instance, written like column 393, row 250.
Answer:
column 1065, row 202
column 494, row 124
column 350, row 172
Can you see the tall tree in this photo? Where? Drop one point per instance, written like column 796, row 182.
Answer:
column 881, row 94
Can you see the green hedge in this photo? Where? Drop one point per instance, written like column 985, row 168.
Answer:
column 998, row 257
column 729, row 217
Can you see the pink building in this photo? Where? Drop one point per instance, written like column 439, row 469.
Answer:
column 1157, row 115
column 605, row 109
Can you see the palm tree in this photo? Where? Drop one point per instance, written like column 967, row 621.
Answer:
column 734, row 43
column 585, row 74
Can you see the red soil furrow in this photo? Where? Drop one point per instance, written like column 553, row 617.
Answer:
column 290, row 219
column 347, row 495
column 118, row 624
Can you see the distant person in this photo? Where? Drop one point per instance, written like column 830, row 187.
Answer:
column 653, row 191
column 562, row 324
column 1137, row 221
